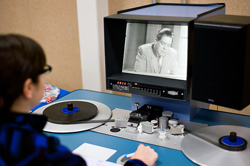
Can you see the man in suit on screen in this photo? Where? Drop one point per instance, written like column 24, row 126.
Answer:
column 157, row 57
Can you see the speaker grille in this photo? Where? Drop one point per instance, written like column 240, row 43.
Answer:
column 219, row 63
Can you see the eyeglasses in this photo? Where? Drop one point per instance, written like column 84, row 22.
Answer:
column 47, row 69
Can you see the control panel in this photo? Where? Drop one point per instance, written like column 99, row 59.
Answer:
column 145, row 89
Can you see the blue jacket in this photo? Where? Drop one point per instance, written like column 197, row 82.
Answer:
column 23, row 143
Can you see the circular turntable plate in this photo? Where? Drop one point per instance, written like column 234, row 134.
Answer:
column 104, row 113
column 205, row 153
column 60, row 113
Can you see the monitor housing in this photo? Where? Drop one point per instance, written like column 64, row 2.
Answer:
column 129, row 29
column 123, row 36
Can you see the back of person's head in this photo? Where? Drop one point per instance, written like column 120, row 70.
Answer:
column 162, row 32
column 20, row 58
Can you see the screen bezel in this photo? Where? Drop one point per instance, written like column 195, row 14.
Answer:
column 115, row 33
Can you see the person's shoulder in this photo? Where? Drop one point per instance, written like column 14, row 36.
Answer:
column 172, row 51
column 146, row 46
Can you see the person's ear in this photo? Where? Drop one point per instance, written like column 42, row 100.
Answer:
column 28, row 88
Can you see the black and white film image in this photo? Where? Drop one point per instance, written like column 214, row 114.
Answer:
column 156, row 50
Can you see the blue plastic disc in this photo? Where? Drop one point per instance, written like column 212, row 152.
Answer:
column 226, row 141
column 65, row 110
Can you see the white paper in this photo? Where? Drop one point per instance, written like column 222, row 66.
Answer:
column 94, row 151
column 95, row 162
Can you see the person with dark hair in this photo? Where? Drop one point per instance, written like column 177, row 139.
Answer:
column 157, row 57
column 22, row 81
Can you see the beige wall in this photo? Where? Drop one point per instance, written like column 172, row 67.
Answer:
column 54, row 24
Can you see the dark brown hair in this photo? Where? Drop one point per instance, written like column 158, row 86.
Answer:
column 20, row 58
column 162, row 32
